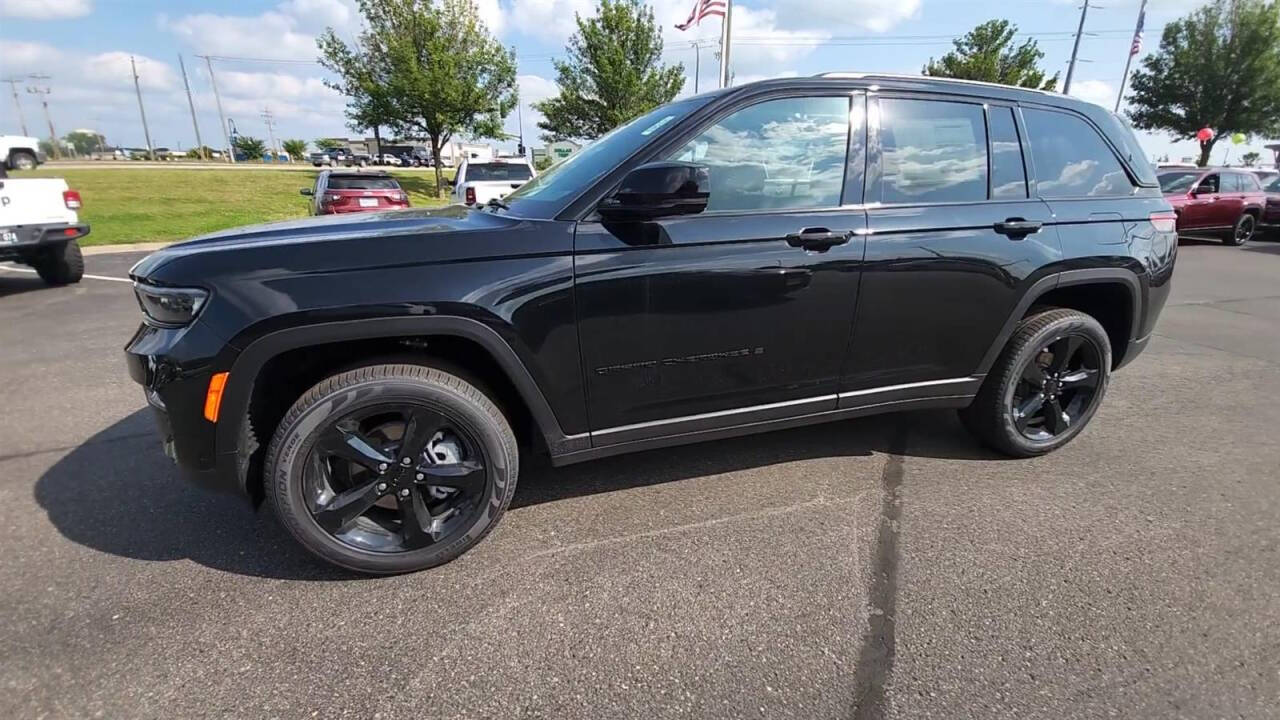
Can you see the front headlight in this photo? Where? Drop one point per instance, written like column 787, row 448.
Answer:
column 170, row 307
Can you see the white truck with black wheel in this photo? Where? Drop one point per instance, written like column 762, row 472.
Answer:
column 39, row 227
column 20, row 152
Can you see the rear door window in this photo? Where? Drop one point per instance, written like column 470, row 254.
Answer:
column 356, row 182
column 1008, row 175
column 497, row 172
column 1231, row 183
column 932, row 151
column 1071, row 159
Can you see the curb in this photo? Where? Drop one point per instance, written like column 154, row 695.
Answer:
column 131, row 247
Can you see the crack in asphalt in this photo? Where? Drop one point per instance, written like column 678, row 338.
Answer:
column 879, row 646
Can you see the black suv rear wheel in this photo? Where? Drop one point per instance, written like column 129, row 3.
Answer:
column 1243, row 231
column 1046, row 385
column 391, row 468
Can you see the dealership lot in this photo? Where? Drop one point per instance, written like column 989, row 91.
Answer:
column 879, row 567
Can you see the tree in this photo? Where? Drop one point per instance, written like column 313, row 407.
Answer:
column 250, row 146
column 424, row 68
column 613, row 73
column 987, row 53
column 297, row 149
column 324, row 144
column 1218, row 67
column 200, row 153
column 1250, row 158
column 83, row 142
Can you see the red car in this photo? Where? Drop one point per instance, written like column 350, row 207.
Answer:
column 1271, row 214
column 1219, row 202
column 345, row 191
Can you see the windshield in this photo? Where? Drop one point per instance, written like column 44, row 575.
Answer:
column 1176, row 182
column 490, row 172
column 549, row 192
column 352, row 182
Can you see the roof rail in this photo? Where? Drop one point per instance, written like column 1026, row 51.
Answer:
column 930, row 78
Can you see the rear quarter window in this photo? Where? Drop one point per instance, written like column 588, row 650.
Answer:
column 497, row 172
column 1071, row 159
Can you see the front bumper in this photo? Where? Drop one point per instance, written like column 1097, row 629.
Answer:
column 173, row 366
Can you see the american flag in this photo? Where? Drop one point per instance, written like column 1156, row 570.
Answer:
column 1136, row 47
column 702, row 9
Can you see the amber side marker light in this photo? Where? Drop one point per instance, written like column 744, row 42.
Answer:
column 213, row 397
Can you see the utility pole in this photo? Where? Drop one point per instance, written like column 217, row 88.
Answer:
column 13, row 85
column 1135, row 47
column 146, row 132
column 222, row 119
column 724, row 43
column 1075, row 49
column 191, row 104
column 44, row 102
column 697, row 64
column 270, row 120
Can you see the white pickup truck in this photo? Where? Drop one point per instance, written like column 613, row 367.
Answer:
column 479, row 181
column 20, row 152
column 39, row 227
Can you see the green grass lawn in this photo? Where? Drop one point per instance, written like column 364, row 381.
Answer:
column 129, row 205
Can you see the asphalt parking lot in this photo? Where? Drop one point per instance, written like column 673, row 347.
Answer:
column 883, row 567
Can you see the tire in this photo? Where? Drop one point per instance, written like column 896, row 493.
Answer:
column 483, row 430
column 61, row 264
column 1243, row 231
column 992, row 417
column 22, row 160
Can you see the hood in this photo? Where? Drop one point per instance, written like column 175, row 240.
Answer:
column 421, row 225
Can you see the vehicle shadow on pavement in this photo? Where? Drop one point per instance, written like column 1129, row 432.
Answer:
column 117, row 493
column 13, row 284
column 932, row 433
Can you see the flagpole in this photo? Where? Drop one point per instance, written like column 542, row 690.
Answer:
column 1124, row 79
column 724, row 43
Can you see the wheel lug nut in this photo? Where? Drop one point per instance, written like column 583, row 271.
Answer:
column 404, row 492
column 382, row 467
column 382, row 487
column 405, row 461
column 420, row 476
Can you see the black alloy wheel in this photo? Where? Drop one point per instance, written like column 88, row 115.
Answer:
column 1243, row 231
column 394, row 478
column 1045, row 386
column 1058, row 386
column 391, row 468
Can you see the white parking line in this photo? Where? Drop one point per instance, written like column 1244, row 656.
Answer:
column 92, row 277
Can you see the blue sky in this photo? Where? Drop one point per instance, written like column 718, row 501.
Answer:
column 85, row 46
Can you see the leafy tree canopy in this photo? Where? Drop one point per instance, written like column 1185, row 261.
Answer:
column 252, row 147
column 297, row 149
column 987, row 53
column 323, row 144
column 613, row 73
column 424, row 68
column 1218, row 67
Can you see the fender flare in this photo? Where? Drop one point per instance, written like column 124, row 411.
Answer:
column 1066, row 278
column 249, row 363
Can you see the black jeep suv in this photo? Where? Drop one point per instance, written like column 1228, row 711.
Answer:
column 766, row 256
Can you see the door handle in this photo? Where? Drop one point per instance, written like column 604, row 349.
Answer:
column 1018, row 228
column 817, row 238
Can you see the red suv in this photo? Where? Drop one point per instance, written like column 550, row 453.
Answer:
column 345, row 191
column 1219, row 202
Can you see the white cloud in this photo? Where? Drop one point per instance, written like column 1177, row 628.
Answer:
column 112, row 69
column 287, row 32
column 45, row 9
column 1097, row 92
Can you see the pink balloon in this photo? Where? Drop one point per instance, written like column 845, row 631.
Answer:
column 1205, row 134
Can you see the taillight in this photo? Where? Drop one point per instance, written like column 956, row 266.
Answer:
column 1164, row 221
column 471, row 196
column 71, row 199
column 330, row 198
column 404, row 197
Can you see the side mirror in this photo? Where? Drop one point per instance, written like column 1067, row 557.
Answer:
column 306, row 191
column 659, row 189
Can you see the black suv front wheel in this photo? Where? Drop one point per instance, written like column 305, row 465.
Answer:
column 1046, row 385
column 1243, row 230
column 391, row 468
